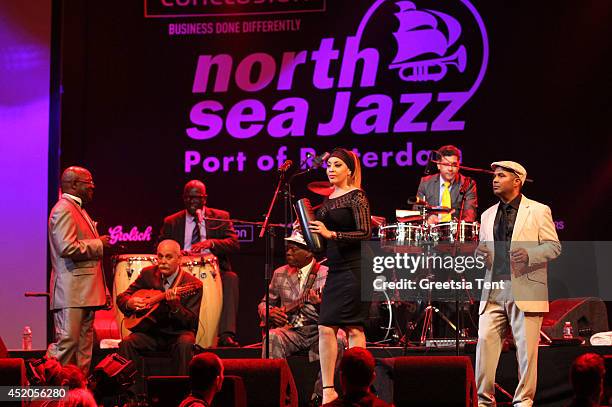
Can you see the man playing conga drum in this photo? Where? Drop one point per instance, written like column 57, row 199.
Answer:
column 201, row 229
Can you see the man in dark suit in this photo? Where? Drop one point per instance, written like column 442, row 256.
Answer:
column 448, row 188
column 175, row 321
column 77, row 279
column 200, row 229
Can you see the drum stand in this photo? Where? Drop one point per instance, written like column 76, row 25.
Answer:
column 427, row 331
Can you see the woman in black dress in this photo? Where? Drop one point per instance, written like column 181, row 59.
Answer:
column 344, row 221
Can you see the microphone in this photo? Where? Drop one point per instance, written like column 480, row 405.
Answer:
column 199, row 216
column 319, row 160
column 285, row 166
column 428, row 169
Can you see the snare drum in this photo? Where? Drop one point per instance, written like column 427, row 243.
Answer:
column 445, row 233
column 206, row 269
column 127, row 268
column 401, row 237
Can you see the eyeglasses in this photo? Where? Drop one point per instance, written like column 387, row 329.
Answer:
column 90, row 182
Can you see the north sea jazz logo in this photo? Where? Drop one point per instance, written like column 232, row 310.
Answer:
column 409, row 67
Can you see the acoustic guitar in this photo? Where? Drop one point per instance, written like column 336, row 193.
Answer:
column 292, row 310
column 142, row 320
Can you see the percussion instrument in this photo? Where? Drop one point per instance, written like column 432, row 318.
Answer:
column 305, row 215
column 205, row 268
column 445, row 234
column 402, row 237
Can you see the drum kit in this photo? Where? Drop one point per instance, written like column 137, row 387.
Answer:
column 413, row 233
column 204, row 267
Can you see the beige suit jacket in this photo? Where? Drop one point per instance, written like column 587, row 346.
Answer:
column 535, row 231
column 77, row 279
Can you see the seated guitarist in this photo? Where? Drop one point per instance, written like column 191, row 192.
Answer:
column 299, row 281
column 173, row 324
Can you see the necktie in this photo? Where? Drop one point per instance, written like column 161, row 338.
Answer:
column 195, row 236
column 300, row 274
column 510, row 219
column 164, row 283
column 502, row 242
column 446, row 202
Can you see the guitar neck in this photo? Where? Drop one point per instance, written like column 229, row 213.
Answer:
column 180, row 291
column 299, row 303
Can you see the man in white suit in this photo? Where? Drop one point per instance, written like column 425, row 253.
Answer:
column 518, row 239
column 77, row 279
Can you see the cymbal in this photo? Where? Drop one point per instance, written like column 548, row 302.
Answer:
column 322, row 188
column 439, row 209
column 404, row 213
column 408, row 219
column 377, row 221
column 417, row 200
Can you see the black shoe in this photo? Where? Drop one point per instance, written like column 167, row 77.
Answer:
column 228, row 341
column 315, row 401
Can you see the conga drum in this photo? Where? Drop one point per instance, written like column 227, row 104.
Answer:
column 206, row 269
column 126, row 269
column 105, row 325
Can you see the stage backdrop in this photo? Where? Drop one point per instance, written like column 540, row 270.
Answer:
column 158, row 92
column 25, row 31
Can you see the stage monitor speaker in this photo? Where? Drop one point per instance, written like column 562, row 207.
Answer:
column 608, row 379
column 588, row 315
column 169, row 391
column 433, row 381
column 114, row 374
column 3, row 350
column 268, row 382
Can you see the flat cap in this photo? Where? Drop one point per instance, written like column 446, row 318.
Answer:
column 512, row 166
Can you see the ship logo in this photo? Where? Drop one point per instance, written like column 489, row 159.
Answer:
column 423, row 33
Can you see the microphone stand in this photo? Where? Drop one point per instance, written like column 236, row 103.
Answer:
column 268, row 230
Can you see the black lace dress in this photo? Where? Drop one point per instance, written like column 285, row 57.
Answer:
column 349, row 216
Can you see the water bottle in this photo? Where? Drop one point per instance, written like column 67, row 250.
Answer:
column 26, row 341
column 568, row 330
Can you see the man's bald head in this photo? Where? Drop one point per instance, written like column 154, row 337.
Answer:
column 194, row 196
column 194, row 183
column 79, row 182
column 169, row 245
